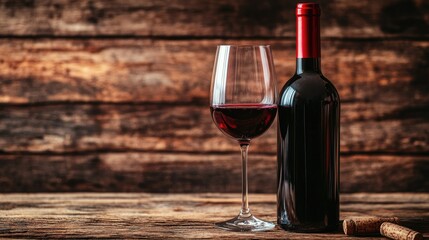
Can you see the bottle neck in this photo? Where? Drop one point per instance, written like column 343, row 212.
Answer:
column 308, row 65
column 308, row 38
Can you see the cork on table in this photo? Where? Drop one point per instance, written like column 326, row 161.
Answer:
column 143, row 215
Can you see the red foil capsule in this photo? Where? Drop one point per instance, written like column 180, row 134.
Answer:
column 307, row 30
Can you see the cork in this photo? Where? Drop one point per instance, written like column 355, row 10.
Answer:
column 397, row 232
column 365, row 225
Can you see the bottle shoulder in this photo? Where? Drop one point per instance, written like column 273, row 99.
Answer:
column 308, row 87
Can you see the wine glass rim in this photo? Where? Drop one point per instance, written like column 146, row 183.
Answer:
column 244, row 45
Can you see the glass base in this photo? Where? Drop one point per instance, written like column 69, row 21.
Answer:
column 245, row 224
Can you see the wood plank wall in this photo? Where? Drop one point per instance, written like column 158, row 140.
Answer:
column 100, row 95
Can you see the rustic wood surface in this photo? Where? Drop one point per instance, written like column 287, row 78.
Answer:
column 80, row 128
column 392, row 73
column 155, row 81
column 190, row 172
column 220, row 18
column 100, row 95
column 178, row 216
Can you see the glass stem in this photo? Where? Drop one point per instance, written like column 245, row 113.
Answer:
column 245, row 211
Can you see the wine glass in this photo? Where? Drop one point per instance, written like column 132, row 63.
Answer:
column 243, row 106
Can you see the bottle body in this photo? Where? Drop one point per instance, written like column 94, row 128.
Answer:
column 308, row 155
column 308, row 137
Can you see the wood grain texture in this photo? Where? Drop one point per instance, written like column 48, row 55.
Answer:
column 214, row 18
column 106, row 127
column 177, row 216
column 112, row 95
column 35, row 71
column 175, row 172
column 382, row 111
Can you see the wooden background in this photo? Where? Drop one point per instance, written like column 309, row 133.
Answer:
column 113, row 95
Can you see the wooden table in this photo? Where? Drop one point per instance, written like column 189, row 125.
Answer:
column 139, row 215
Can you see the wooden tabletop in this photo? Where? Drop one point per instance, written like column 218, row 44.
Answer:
column 139, row 215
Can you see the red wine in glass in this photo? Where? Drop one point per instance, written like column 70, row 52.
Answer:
column 243, row 121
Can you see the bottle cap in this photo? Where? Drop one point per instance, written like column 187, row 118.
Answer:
column 308, row 9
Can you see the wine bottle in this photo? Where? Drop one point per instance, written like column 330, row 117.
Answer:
column 308, row 136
